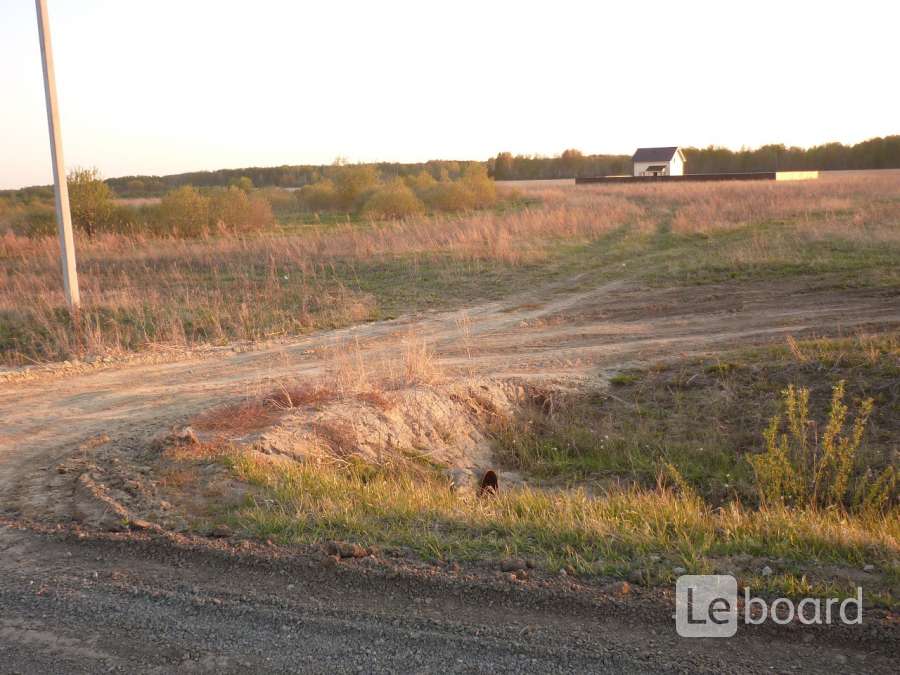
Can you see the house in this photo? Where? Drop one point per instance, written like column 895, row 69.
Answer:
column 658, row 162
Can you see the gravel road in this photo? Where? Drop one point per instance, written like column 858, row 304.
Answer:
column 73, row 602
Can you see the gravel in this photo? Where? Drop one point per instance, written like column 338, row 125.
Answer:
column 78, row 602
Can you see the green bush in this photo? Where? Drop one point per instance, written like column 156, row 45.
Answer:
column 184, row 211
column 394, row 200
column 800, row 468
column 476, row 180
column 421, row 183
column 352, row 183
column 90, row 200
column 450, row 196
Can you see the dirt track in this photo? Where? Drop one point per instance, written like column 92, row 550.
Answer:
column 560, row 333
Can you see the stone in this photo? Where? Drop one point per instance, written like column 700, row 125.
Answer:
column 868, row 568
column 220, row 531
column 766, row 571
column 513, row 565
column 679, row 570
column 187, row 436
column 345, row 550
column 620, row 588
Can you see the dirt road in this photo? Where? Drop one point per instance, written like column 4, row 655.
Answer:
column 153, row 605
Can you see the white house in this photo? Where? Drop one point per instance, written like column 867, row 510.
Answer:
column 658, row 162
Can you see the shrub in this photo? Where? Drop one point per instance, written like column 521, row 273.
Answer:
column 800, row 469
column 394, row 200
column 476, row 180
column 351, row 183
column 36, row 219
column 321, row 196
column 233, row 208
column 244, row 183
column 421, row 183
column 90, row 200
column 185, row 211
column 450, row 196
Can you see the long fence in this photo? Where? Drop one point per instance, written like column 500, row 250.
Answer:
column 688, row 177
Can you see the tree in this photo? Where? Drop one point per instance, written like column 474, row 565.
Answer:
column 475, row 179
column 243, row 183
column 570, row 163
column 503, row 166
column 90, row 199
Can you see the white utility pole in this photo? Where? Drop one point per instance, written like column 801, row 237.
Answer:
column 63, row 215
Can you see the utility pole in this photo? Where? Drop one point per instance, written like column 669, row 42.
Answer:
column 63, row 215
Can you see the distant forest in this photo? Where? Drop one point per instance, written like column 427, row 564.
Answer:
column 275, row 176
column 875, row 153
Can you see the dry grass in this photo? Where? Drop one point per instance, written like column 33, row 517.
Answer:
column 350, row 372
column 620, row 532
column 139, row 292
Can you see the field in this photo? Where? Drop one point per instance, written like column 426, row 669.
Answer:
column 615, row 353
column 140, row 293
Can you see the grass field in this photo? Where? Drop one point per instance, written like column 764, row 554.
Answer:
column 140, row 292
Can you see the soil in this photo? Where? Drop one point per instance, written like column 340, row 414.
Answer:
column 76, row 597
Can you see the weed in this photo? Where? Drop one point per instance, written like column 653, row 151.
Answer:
column 799, row 468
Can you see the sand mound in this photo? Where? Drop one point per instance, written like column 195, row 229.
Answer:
column 444, row 425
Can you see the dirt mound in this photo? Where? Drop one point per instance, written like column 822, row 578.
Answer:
column 444, row 425
column 178, row 479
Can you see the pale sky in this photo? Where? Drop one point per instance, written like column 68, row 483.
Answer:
column 166, row 86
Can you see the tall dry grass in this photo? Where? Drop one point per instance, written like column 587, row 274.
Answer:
column 138, row 292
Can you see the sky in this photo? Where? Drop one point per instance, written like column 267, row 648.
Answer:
column 167, row 86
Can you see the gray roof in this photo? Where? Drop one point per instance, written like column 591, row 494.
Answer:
column 654, row 154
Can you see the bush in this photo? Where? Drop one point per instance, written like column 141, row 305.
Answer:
column 35, row 219
column 357, row 189
column 476, row 180
column 394, row 200
column 184, row 211
column 321, row 196
column 800, row 469
column 450, row 196
column 421, row 183
column 233, row 208
column 90, row 200
column 352, row 183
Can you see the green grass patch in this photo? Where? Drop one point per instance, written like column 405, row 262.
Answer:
column 621, row 532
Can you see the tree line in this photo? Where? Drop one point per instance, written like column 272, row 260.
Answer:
column 875, row 153
column 276, row 176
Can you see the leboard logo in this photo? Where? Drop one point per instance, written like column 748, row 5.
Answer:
column 706, row 605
